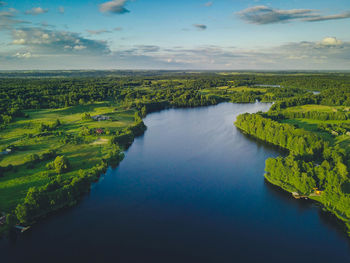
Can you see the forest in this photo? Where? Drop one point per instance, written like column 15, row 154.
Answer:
column 60, row 130
column 314, row 130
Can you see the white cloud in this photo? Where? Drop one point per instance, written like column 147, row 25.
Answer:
column 57, row 49
column 331, row 41
column 328, row 53
column 44, row 41
column 8, row 19
column 79, row 47
column 23, row 55
column 19, row 41
column 115, row 7
column 36, row 11
column 262, row 15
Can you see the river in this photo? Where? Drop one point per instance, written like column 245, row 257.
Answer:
column 191, row 189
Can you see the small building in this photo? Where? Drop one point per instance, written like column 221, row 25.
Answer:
column 99, row 131
column 317, row 191
column 100, row 118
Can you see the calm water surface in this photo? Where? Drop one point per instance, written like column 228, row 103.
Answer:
column 190, row 190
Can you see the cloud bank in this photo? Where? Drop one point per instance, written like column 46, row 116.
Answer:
column 36, row 11
column 76, row 52
column 52, row 42
column 8, row 20
column 261, row 15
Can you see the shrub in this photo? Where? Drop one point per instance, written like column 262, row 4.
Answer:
column 61, row 164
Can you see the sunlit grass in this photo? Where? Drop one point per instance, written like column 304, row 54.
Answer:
column 14, row 185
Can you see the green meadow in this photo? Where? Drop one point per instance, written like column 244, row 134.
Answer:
column 23, row 136
column 313, row 124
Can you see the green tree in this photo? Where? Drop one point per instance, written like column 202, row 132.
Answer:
column 61, row 164
column 22, row 213
column 86, row 117
column 143, row 111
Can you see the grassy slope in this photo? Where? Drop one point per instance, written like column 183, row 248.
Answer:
column 14, row 186
column 311, row 125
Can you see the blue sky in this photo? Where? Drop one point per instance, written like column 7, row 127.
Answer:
column 158, row 34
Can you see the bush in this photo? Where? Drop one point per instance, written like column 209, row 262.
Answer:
column 86, row 117
column 61, row 164
column 33, row 158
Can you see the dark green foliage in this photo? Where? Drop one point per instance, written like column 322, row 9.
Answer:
column 294, row 174
column 317, row 115
column 61, row 164
column 86, row 117
column 34, row 159
column 3, row 170
column 286, row 136
column 61, row 193
column 71, row 138
column 126, row 137
column 123, row 139
column 295, row 101
column 245, row 97
column 336, row 97
column 311, row 163
column 335, row 129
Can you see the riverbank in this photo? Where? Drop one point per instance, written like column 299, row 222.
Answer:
column 311, row 163
column 47, row 198
column 318, row 199
column 64, row 189
column 191, row 182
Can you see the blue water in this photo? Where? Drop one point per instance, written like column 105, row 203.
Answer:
column 190, row 190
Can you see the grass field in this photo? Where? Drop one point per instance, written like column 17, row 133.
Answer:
column 320, row 108
column 15, row 183
column 312, row 124
column 242, row 89
column 227, row 90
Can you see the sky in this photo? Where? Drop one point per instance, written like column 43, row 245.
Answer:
column 175, row 35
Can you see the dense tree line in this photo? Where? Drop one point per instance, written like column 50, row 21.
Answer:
column 335, row 129
column 180, row 89
column 61, row 192
column 316, row 115
column 311, row 163
column 295, row 101
column 286, row 136
column 336, row 96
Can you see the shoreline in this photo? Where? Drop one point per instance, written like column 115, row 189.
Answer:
column 345, row 223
